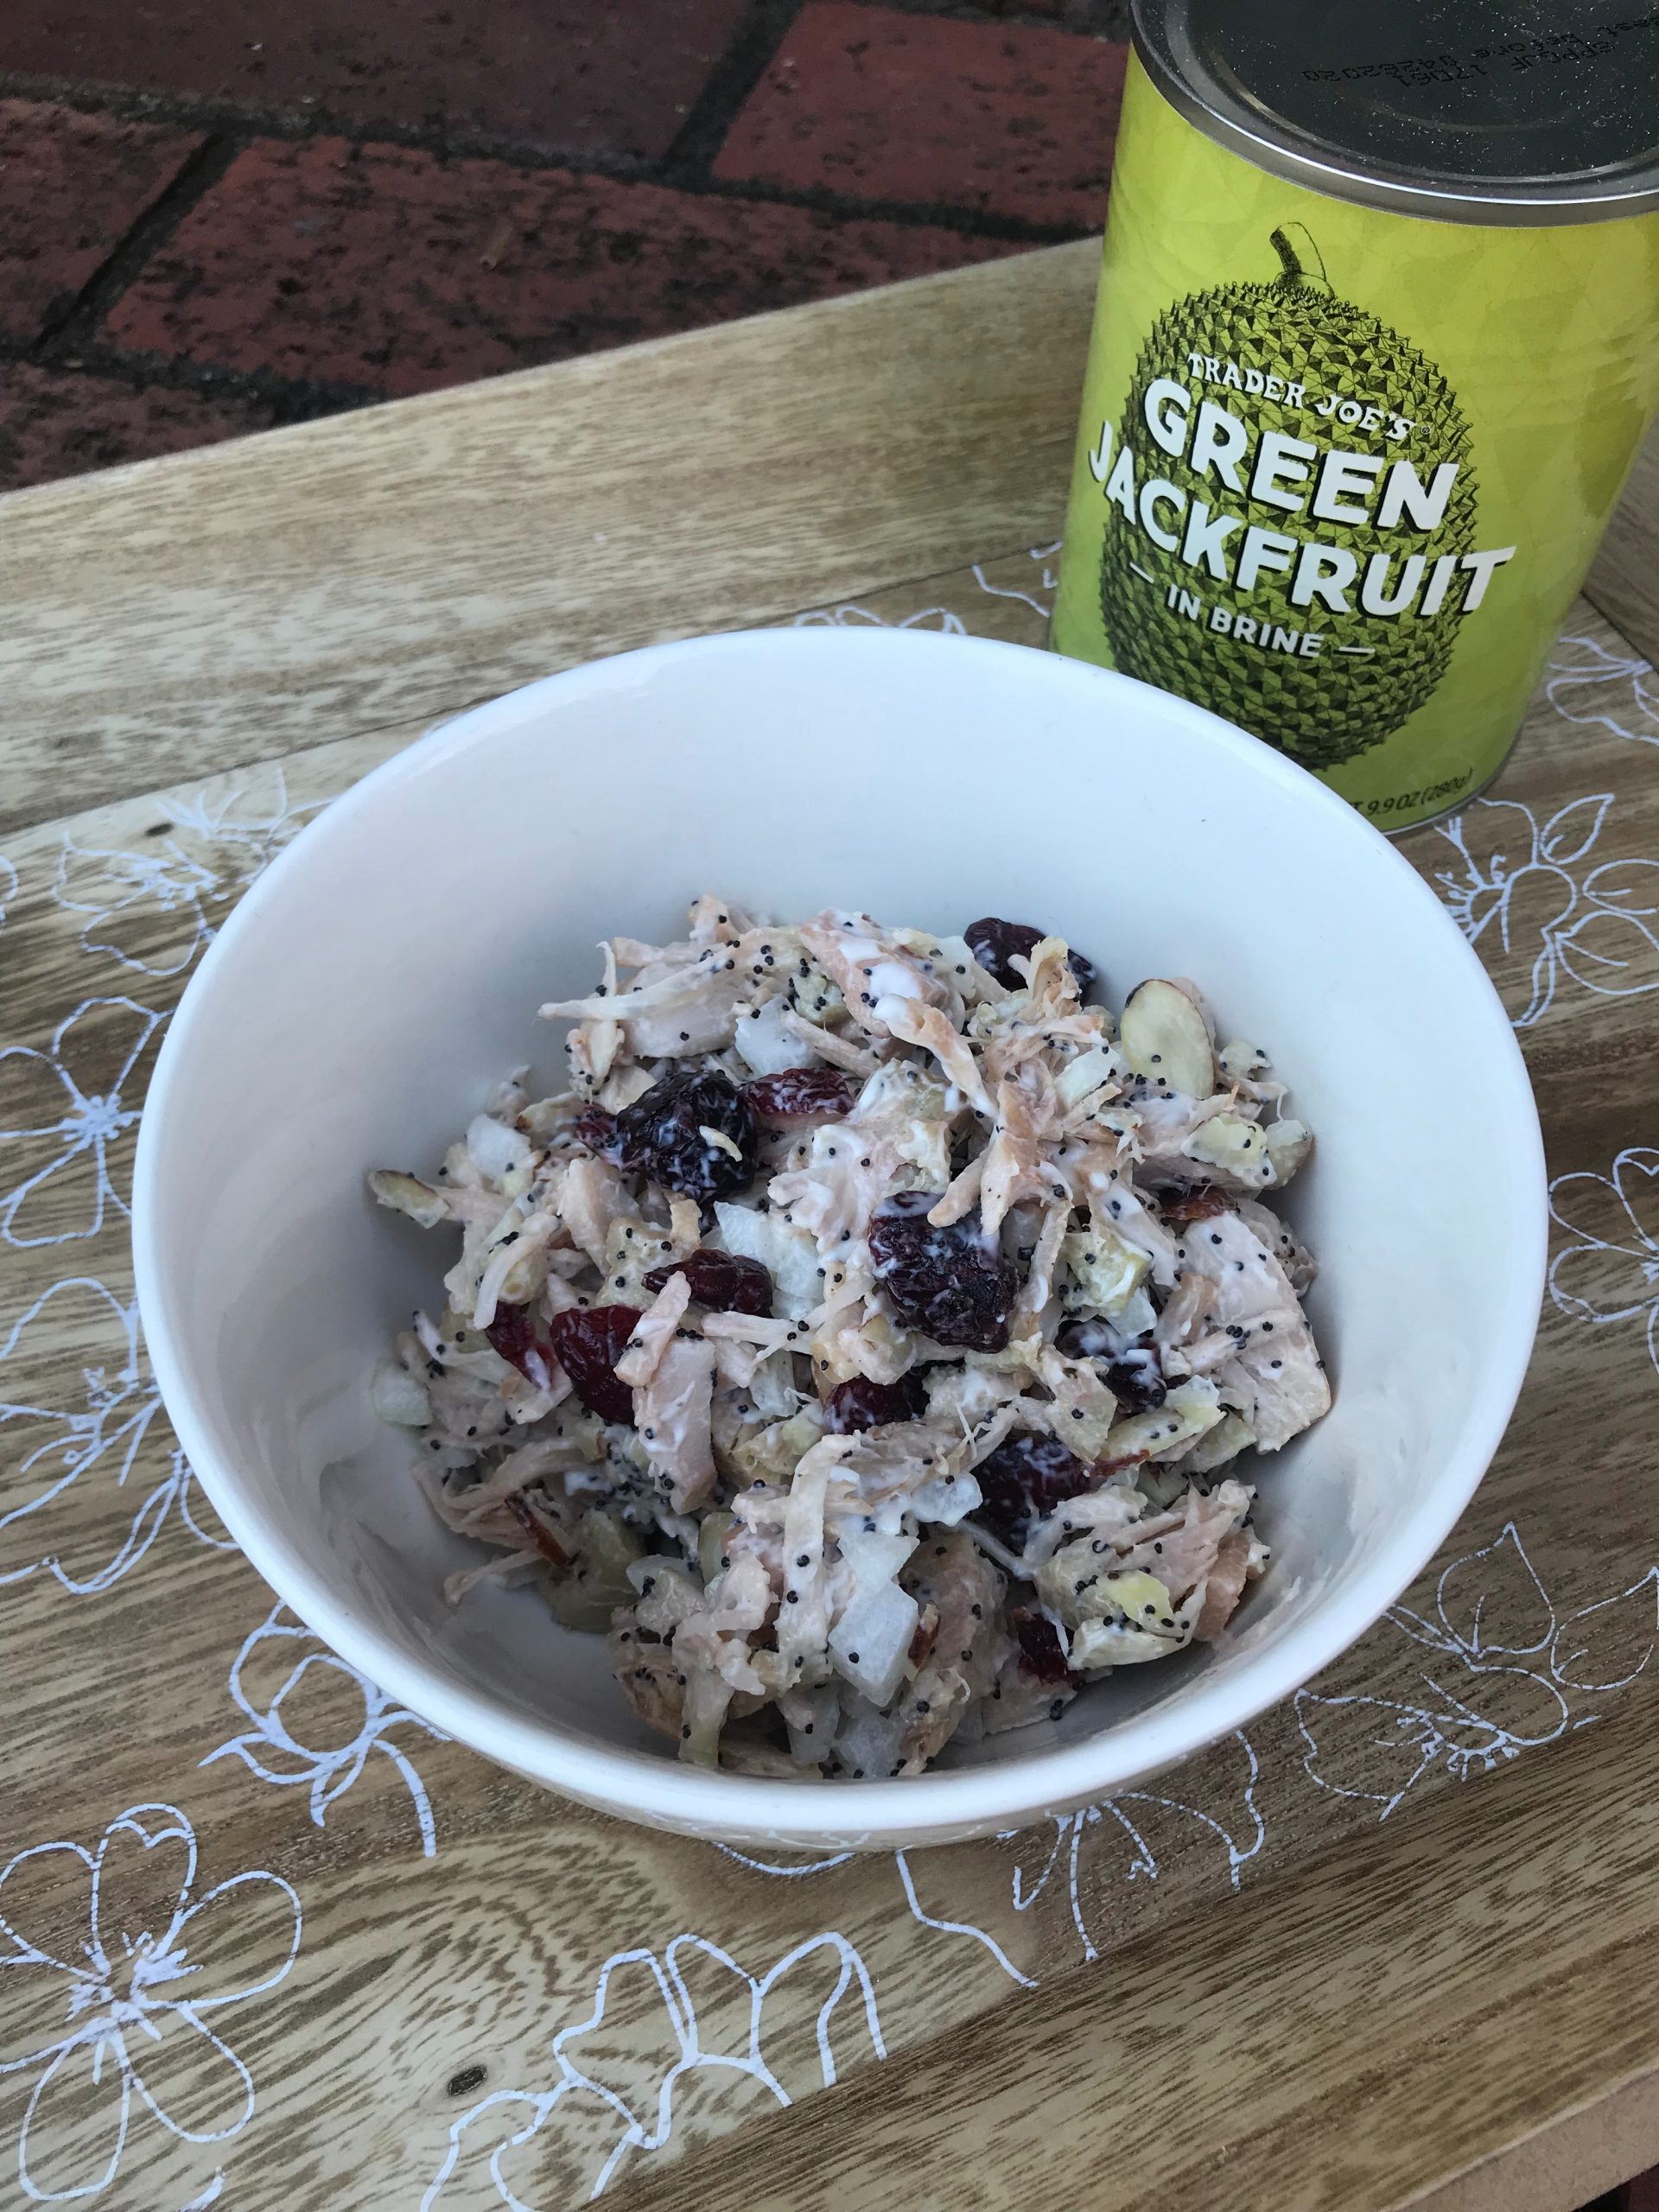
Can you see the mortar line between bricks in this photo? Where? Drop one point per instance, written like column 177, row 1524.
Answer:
column 752, row 48
column 292, row 399
column 74, row 324
column 247, row 125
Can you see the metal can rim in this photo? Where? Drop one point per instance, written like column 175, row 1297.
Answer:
column 1580, row 197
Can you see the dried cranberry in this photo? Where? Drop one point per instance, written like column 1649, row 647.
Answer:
column 994, row 942
column 595, row 1127
column 588, row 1341
column 1039, row 1646
column 943, row 1281
column 661, row 1134
column 1203, row 1201
column 523, row 1343
column 863, row 1404
column 798, row 1092
column 1025, row 1478
column 722, row 1280
column 1137, row 1381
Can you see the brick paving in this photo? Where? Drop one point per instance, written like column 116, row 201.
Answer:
column 569, row 75
column 879, row 105
column 71, row 187
column 216, row 215
column 384, row 268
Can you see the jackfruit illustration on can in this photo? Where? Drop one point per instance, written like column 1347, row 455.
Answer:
column 1341, row 469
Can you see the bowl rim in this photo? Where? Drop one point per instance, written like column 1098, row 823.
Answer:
column 645, row 1785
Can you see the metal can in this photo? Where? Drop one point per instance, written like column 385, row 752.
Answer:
column 1376, row 342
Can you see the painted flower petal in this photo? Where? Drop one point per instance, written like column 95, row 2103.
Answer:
column 1205, row 1808
column 75, row 2128
column 46, row 1906
column 1570, row 831
column 1366, row 1747
column 1631, row 885
column 99, row 1043
column 517, row 2149
column 632, row 2037
column 238, row 1941
column 714, row 1994
column 190, row 2079
column 1594, row 1207
column 1599, row 1283
column 819, row 2019
column 321, row 1708
column 1609, row 1644
column 55, row 1193
column 1614, row 954
column 1488, row 1712
column 89, row 1530
column 35, row 1096
column 1491, row 1602
column 1587, row 683
column 1540, row 905
column 146, row 1863
column 143, row 908
column 90, row 1466
column 1498, row 837
column 1636, row 1177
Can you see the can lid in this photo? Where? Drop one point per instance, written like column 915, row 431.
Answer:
column 1470, row 110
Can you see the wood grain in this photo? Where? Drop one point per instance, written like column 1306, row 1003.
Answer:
column 402, row 1990
column 1349, row 2040
column 1624, row 580
column 1430, row 1985
column 181, row 617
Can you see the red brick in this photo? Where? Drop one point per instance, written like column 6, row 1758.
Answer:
column 56, row 422
column 579, row 76
column 385, row 267
column 71, row 186
column 1006, row 118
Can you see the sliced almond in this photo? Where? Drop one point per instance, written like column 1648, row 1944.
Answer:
column 1229, row 1141
column 1163, row 1037
column 407, row 1194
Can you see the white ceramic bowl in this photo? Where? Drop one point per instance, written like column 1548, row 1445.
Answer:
column 387, row 969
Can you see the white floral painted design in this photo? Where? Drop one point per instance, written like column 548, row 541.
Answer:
column 94, row 1469
column 68, row 1120
column 655, row 2020
column 155, row 906
column 1045, row 580
column 315, row 1721
column 114, row 1973
column 1058, row 1864
column 849, row 617
column 1610, row 1271
column 1059, row 1872
column 1615, row 691
column 1510, row 1676
column 1521, row 893
column 1128, row 1819
column 8, row 886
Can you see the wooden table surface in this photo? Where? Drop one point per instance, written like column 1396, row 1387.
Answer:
column 272, row 1942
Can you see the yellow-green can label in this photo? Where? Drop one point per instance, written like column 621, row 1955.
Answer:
column 1340, row 472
